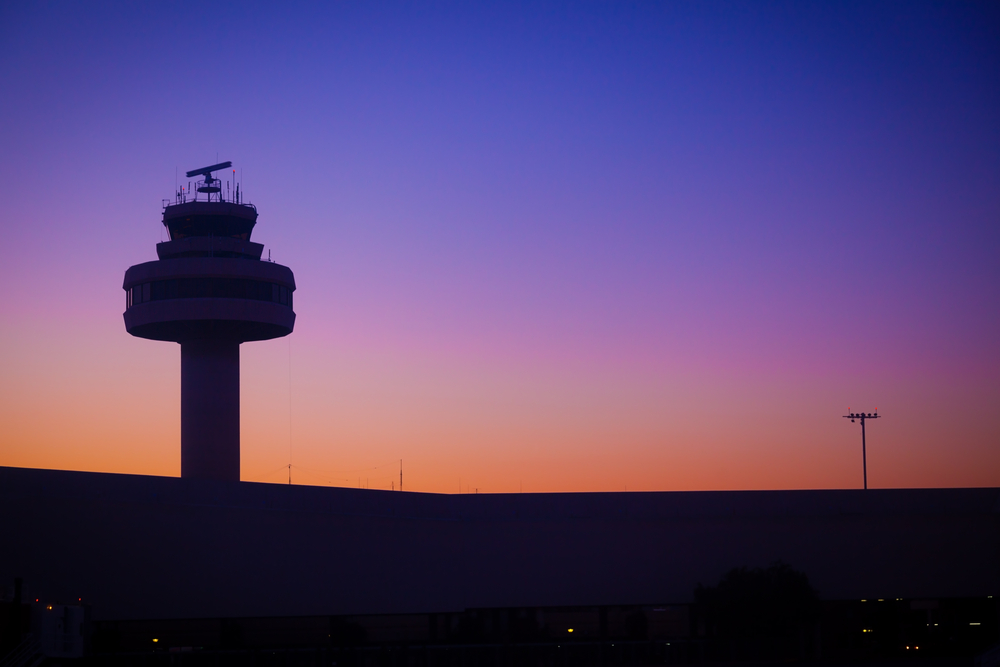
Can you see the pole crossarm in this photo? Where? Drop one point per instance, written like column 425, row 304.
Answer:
column 861, row 415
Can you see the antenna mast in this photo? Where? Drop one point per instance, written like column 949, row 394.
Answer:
column 864, row 452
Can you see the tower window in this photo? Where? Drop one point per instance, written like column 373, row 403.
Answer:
column 209, row 288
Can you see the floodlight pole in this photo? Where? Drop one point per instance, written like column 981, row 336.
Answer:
column 864, row 452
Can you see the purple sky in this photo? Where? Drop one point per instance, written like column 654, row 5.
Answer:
column 562, row 246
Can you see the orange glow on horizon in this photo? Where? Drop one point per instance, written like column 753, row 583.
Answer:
column 108, row 402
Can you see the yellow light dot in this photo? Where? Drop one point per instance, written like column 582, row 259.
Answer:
column 570, row 630
column 155, row 640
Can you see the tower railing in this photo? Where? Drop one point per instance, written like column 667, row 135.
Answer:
column 185, row 197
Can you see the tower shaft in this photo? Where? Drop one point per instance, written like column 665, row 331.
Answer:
column 210, row 409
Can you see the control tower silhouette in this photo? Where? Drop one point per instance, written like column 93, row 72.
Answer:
column 209, row 291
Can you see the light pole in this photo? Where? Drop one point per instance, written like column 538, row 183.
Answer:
column 864, row 453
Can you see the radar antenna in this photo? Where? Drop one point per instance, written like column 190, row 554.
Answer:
column 210, row 185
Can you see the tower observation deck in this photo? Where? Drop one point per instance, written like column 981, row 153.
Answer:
column 209, row 291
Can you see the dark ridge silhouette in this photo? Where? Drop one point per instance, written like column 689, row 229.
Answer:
column 248, row 568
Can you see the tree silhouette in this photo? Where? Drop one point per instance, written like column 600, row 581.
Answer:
column 759, row 613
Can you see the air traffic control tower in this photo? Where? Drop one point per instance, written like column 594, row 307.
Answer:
column 209, row 291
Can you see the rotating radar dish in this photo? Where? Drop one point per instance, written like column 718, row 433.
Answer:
column 207, row 171
column 210, row 185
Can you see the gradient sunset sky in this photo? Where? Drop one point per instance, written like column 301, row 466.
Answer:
column 538, row 246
